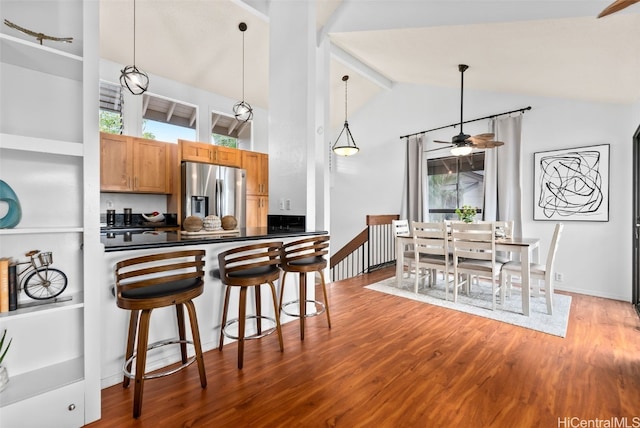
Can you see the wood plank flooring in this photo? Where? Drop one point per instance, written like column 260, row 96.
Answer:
column 393, row 362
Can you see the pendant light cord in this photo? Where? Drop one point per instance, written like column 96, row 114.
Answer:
column 345, row 78
column 134, row 33
column 243, row 66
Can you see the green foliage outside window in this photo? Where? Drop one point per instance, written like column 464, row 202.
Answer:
column 226, row 141
column 110, row 122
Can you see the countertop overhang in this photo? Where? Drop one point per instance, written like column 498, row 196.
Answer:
column 159, row 239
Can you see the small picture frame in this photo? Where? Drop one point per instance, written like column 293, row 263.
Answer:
column 571, row 184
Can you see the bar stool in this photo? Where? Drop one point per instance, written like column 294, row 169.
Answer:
column 155, row 281
column 244, row 267
column 303, row 256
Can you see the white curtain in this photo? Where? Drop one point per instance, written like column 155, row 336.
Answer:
column 503, row 184
column 413, row 195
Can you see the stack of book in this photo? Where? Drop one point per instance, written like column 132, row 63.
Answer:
column 8, row 285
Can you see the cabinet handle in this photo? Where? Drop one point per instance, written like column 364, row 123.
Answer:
column 71, row 407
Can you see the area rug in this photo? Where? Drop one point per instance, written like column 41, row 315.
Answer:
column 479, row 303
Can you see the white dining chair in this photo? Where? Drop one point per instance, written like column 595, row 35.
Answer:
column 431, row 246
column 474, row 253
column 538, row 271
column 401, row 229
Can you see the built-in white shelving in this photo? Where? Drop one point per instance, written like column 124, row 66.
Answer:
column 34, row 56
column 49, row 151
column 40, row 145
column 33, row 308
column 42, row 380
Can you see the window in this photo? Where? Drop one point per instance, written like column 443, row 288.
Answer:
column 110, row 108
column 453, row 182
column 228, row 131
column 168, row 120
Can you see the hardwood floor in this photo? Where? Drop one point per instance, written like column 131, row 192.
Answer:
column 393, row 362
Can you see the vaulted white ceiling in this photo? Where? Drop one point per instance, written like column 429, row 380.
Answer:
column 538, row 47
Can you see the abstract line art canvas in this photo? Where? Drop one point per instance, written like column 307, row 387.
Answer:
column 572, row 184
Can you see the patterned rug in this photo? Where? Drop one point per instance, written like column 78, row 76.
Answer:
column 479, row 303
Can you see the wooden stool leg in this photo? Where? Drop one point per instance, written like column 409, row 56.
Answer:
column 284, row 275
column 258, row 309
column 141, row 359
column 181, row 332
column 303, row 302
column 195, row 333
column 225, row 310
column 277, row 316
column 326, row 299
column 242, row 318
column 131, row 340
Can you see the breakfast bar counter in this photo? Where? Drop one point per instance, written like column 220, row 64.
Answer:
column 141, row 240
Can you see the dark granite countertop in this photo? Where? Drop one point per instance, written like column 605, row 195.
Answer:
column 141, row 240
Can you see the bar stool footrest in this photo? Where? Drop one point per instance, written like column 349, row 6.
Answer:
column 163, row 373
column 320, row 308
column 265, row 332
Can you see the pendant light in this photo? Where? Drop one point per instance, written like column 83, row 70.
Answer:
column 349, row 147
column 135, row 80
column 242, row 110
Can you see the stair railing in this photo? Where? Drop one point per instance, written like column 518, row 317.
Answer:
column 371, row 249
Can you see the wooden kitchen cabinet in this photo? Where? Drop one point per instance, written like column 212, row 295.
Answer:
column 137, row 165
column 257, row 210
column 257, row 167
column 208, row 153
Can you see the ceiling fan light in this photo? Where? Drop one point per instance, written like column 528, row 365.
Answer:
column 461, row 150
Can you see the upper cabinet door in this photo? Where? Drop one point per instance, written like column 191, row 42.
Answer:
column 227, row 156
column 196, row 152
column 116, row 163
column 257, row 167
column 150, row 166
column 137, row 165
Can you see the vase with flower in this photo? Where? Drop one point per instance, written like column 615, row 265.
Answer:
column 467, row 213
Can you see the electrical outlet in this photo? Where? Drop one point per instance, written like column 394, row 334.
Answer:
column 559, row 277
column 282, row 204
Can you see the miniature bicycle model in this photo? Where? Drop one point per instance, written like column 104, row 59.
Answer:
column 41, row 282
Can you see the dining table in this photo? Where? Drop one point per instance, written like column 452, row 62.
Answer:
column 526, row 248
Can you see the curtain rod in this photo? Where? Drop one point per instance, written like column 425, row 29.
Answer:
column 522, row 110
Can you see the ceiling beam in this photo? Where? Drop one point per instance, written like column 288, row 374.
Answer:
column 192, row 119
column 242, row 128
column 145, row 103
column 214, row 119
column 361, row 68
column 232, row 126
column 330, row 23
column 170, row 111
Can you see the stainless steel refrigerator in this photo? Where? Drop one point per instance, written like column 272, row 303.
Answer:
column 213, row 190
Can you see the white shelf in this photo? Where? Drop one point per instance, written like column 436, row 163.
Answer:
column 36, row 382
column 34, row 56
column 41, row 145
column 39, row 230
column 76, row 302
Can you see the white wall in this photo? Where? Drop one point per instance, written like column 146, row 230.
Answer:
column 594, row 257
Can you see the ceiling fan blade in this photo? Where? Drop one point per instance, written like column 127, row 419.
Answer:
column 442, row 142
column 488, row 144
column 616, row 6
column 480, row 137
column 439, row 148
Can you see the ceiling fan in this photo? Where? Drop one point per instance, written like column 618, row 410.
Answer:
column 462, row 144
column 617, row 6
